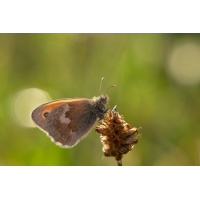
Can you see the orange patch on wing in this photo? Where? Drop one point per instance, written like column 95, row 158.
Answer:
column 58, row 102
column 48, row 107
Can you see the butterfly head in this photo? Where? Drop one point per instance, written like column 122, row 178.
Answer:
column 101, row 101
column 99, row 106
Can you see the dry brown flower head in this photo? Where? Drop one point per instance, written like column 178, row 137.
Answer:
column 117, row 136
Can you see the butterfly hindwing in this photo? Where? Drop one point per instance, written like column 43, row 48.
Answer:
column 66, row 121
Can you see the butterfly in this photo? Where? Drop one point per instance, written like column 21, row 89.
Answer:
column 67, row 121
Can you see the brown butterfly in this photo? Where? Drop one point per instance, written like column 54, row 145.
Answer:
column 67, row 121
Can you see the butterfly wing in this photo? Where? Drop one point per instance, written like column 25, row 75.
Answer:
column 65, row 121
column 40, row 114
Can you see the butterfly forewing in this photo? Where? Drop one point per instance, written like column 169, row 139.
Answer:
column 40, row 113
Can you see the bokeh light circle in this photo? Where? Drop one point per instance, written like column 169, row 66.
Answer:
column 184, row 63
column 25, row 102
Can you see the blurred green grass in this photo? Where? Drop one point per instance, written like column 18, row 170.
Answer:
column 72, row 65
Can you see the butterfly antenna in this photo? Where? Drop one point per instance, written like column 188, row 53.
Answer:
column 108, row 89
column 100, row 85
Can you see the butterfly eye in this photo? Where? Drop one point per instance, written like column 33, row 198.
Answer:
column 46, row 114
column 104, row 99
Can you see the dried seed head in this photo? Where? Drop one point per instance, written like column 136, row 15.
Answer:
column 117, row 136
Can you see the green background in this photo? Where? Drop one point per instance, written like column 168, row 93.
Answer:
column 72, row 65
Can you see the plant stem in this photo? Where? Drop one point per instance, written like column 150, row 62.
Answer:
column 119, row 162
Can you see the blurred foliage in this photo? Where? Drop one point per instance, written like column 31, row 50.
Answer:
column 72, row 65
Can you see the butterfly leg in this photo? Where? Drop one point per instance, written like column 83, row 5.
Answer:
column 106, row 110
column 100, row 117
